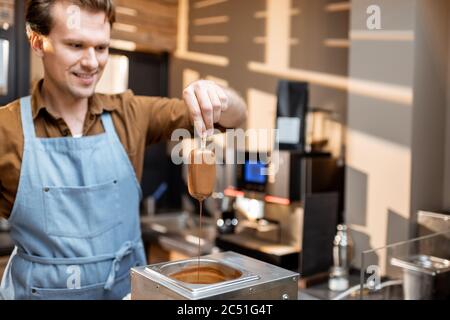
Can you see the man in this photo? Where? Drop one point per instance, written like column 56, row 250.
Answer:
column 73, row 202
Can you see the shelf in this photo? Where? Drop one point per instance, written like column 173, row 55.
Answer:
column 203, row 58
column 382, row 91
column 211, row 20
column 210, row 39
column 263, row 40
column 263, row 14
column 338, row 7
column 337, row 43
column 207, row 3
column 382, row 35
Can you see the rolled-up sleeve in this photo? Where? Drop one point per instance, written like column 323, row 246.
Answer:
column 161, row 116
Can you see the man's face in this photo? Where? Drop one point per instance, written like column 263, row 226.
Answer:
column 76, row 50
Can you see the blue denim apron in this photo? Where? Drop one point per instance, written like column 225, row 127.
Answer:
column 75, row 221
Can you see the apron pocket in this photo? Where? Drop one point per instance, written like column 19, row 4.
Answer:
column 81, row 212
column 89, row 292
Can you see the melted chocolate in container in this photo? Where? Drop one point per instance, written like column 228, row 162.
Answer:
column 201, row 182
column 204, row 275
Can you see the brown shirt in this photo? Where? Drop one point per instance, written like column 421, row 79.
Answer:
column 138, row 121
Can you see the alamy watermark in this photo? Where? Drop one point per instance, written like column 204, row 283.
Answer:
column 73, row 17
column 263, row 142
column 74, row 279
column 373, row 22
column 373, row 282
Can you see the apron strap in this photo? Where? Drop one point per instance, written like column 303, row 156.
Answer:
column 114, row 138
column 7, row 286
column 127, row 248
column 109, row 126
column 27, row 118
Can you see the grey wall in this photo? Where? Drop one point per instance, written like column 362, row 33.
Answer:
column 399, row 153
column 379, row 133
column 446, row 195
column 430, row 104
column 310, row 28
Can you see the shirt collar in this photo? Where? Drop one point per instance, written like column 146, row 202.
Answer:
column 96, row 104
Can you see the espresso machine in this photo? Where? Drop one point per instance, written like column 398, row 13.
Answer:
column 285, row 222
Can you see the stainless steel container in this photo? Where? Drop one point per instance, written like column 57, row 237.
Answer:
column 238, row 276
column 425, row 277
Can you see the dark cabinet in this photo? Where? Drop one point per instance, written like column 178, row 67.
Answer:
column 18, row 66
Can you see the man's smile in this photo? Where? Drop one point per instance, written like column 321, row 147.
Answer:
column 86, row 78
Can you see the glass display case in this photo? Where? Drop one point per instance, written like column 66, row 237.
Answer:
column 417, row 269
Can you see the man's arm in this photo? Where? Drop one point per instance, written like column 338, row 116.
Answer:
column 204, row 104
column 210, row 103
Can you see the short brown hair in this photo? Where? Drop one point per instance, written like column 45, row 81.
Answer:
column 38, row 12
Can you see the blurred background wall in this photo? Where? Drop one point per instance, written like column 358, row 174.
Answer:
column 388, row 86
